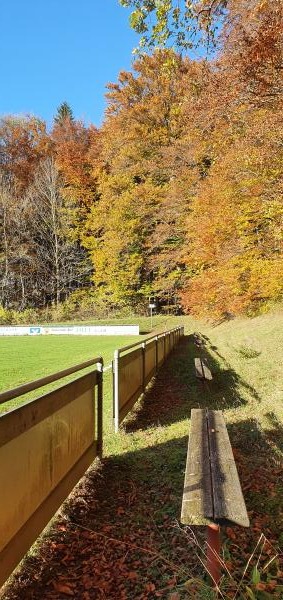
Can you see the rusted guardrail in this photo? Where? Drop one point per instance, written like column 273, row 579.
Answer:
column 46, row 445
column 135, row 365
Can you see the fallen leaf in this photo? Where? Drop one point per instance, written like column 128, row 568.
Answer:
column 132, row 575
column 63, row 589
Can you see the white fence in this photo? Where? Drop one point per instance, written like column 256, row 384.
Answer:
column 71, row 330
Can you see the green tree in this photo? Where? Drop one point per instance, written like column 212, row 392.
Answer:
column 64, row 113
column 184, row 23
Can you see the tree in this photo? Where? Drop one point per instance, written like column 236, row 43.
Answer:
column 234, row 253
column 193, row 23
column 64, row 114
column 135, row 229
column 23, row 143
column 181, row 23
column 77, row 148
column 61, row 263
column 17, row 261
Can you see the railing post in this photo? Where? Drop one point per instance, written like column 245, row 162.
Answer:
column 156, row 354
column 116, row 390
column 143, row 366
column 100, row 409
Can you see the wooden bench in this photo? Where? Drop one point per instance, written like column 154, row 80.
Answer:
column 202, row 370
column 212, row 491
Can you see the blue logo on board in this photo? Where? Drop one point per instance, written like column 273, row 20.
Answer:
column 34, row 330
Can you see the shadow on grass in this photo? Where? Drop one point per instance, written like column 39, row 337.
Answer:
column 259, row 461
column 175, row 389
column 276, row 432
column 265, row 443
column 118, row 535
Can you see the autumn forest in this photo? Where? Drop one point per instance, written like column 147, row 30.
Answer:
column 178, row 195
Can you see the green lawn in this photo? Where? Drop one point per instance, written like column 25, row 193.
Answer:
column 24, row 359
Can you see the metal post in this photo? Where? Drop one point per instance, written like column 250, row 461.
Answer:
column 143, row 366
column 151, row 317
column 156, row 354
column 100, row 408
column 116, row 390
column 213, row 552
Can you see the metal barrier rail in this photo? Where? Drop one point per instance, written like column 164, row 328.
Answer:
column 133, row 371
column 46, row 445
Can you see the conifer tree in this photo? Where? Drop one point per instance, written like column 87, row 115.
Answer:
column 64, row 113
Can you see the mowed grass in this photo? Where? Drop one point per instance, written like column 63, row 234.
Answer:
column 28, row 358
column 25, row 359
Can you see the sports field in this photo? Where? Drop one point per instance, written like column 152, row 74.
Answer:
column 25, row 359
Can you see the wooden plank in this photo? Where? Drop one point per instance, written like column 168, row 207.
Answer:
column 150, row 361
column 197, row 507
column 21, row 419
column 34, row 385
column 125, row 409
column 206, row 371
column 130, row 378
column 34, row 462
column 198, row 368
column 202, row 370
column 229, row 504
column 127, row 359
column 160, row 350
column 17, row 547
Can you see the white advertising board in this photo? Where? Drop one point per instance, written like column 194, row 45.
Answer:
column 72, row 330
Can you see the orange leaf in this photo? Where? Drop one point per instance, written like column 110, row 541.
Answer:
column 260, row 586
column 132, row 575
column 63, row 589
column 150, row 587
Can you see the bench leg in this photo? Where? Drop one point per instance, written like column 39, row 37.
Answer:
column 213, row 552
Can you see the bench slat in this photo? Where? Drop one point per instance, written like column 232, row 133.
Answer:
column 202, row 370
column 229, row 504
column 197, row 506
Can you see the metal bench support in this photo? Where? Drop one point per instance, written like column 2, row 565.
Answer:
column 212, row 491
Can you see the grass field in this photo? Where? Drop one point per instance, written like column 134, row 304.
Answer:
column 24, row 359
column 144, row 465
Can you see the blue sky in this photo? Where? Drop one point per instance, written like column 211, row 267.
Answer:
column 56, row 50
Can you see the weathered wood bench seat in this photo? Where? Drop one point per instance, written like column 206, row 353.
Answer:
column 212, row 490
column 202, row 370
